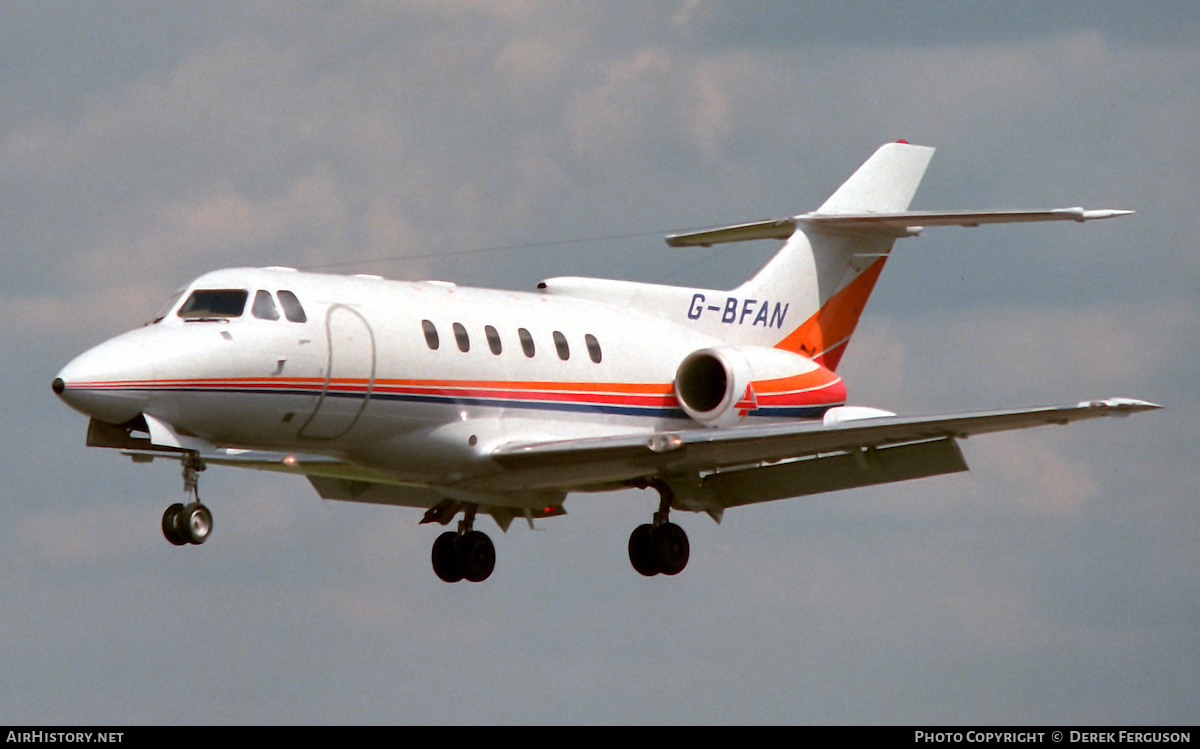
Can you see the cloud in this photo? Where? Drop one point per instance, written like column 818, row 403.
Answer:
column 1011, row 354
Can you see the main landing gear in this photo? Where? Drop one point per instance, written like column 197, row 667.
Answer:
column 661, row 547
column 465, row 553
column 189, row 523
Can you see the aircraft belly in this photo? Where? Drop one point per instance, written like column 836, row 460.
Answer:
column 454, row 446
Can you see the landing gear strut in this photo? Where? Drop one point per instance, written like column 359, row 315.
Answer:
column 465, row 553
column 189, row 523
column 661, row 547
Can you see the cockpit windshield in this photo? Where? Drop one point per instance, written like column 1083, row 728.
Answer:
column 214, row 304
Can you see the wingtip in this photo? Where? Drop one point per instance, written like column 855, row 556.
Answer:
column 1122, row 405
column 1101, row 214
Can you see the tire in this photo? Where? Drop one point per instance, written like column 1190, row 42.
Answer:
column 641, row 553
column 476, row 556
column 195, row 523
column 445, row 558
column 671, row 548
column 172, row 528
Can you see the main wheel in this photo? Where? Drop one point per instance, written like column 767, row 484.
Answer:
column 477, row 556
column 641, row 552
column 445, row 557
column 195, row 522
column 172, row 528
column 671, row 548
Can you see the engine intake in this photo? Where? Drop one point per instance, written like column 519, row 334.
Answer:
column 702, row 382
column 710, row 382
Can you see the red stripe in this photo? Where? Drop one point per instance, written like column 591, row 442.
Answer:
column 651, row 395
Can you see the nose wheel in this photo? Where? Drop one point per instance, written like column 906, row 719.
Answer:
column 189, row 523
column 660, row 547
column 465, row 554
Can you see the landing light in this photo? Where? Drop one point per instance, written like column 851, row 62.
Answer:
column 661, row 443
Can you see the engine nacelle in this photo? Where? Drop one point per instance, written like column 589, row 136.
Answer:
column 717, row 386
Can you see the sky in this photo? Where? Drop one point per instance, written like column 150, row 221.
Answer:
column 499, row 143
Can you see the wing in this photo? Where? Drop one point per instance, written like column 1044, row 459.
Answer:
column 705, row 469
column 711, row 469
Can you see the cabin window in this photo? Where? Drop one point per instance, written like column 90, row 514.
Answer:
column 493, row 339
column 593, row 347
column 460, row 336
column 431, row 336
column 214, row 304
column 560, row 343
column 526, row 341
column 264, row 307
column 291, row 307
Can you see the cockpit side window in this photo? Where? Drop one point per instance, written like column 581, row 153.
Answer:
column 214, row 304
column 166, row 308
column 291, row 307
column 264, row 308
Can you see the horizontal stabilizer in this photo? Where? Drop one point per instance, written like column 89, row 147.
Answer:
column 907, row 220
column 895, row 224
column 773, row 228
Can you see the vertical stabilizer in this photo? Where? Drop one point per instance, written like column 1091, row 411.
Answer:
column 886, row 183
column 825, row 277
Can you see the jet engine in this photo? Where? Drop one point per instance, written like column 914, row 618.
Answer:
column 717, row 386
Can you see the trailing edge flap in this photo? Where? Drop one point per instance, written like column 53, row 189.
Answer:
column 691, row 450
column 825, row 473
column 895, row 224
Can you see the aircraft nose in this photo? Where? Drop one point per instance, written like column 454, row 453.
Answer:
column 108, row 381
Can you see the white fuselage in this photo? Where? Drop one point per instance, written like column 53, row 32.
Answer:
column 360, row 378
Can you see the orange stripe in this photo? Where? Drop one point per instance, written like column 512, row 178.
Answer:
column 817, row 378
column 607, row 387
column 835, row 321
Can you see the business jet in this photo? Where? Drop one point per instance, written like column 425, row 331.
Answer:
column 462, row 401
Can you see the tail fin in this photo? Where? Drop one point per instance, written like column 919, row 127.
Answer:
column 824, row 277
column 886, row 183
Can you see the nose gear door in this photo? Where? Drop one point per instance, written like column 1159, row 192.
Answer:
column 349, row 375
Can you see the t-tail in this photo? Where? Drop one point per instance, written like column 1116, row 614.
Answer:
column 821, row 278
column 825, row 276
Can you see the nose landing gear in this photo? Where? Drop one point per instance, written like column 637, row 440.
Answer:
column 189, row 523
column 466, row 554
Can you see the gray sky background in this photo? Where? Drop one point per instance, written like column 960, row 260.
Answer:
column 142, row 144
